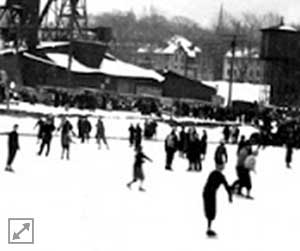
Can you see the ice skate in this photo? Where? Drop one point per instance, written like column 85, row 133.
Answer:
column 142, row 189
column 211, row 234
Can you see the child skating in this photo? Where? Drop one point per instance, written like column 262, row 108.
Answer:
column 138, row 174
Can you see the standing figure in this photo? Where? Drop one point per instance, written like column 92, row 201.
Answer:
column 100, row 133
column 39, row 124
column 226, row 133
column 221, row 157
column 86, row 129
column 243, row 171
column 131, row 130
column 182, row 141
column 80, row 128
column 171, row 144
column 241, row 143
column 289, row 150
column 194, row 152
column 138, row 136
column 215, row 179
column 235, row 135
column 203, row 144
column 138, row 173
column 66, row 131
column 47, row 131
column 13, row 147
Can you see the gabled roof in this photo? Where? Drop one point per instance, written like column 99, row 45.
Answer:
column 109, row 66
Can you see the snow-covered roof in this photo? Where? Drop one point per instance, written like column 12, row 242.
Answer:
column 243, row 53
column 286, row 28
column 52, row 44
column 172, row 45
column 42, row 45
column 109, row 66
column 116, row 67
column 178, row 41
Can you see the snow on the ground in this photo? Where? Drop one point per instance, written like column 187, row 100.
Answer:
column 242, row 91
column 83, row 204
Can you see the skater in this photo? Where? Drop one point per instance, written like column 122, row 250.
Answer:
column 194, row 152
column 203, row 144
column 243, row 172
column 250, row 164
column 13, row 147
column 226, row 133
column 235, row 135
column 289, row 150
column 215, row 179
column 131, row 130
column 47, row 131
column 171, row 144
column 138, row 136
column 80, row 128
column 100, row 133
column 221, row 157
column 182, row 142
column 86, row 129
column 39, row 124
column 66, row 131
column 241, row 143
column 138, row 173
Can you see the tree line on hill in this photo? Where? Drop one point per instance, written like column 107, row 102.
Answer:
column 131, row 32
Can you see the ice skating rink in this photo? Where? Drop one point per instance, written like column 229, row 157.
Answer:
column 84, row 204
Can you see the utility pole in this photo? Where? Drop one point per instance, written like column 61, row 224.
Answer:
column 231, row 77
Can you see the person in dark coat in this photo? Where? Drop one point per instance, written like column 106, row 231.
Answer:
column 203, row 144
column 194, row 152
column 138, row 136
column 289, row 150
column 215, row 179
column 39, row 124
column 171, row 144
column 47, row 131
column 80, row 129
column 182, row 141
column 221, row 157
column 86, row 129
column 131, row 130
column 241, row 143
column 235, row 135
column 226, row 133
column 100, row 133
column 138, row 174
column 66, row 139
column 13, row 147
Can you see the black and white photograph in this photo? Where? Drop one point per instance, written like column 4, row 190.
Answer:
column 149, row 125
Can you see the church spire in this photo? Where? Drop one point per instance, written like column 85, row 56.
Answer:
column 220, row 24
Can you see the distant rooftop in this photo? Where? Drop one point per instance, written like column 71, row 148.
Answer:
column 173, row 44
column 282, row 27
column 244, row 53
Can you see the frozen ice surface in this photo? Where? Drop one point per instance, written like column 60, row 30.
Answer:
column 84, row 204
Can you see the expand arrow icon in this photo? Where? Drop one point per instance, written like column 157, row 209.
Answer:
column 26, row 226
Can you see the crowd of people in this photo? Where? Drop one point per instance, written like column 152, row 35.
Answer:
column 187, row 142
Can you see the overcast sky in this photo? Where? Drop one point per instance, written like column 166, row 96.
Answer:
column 202, row 11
